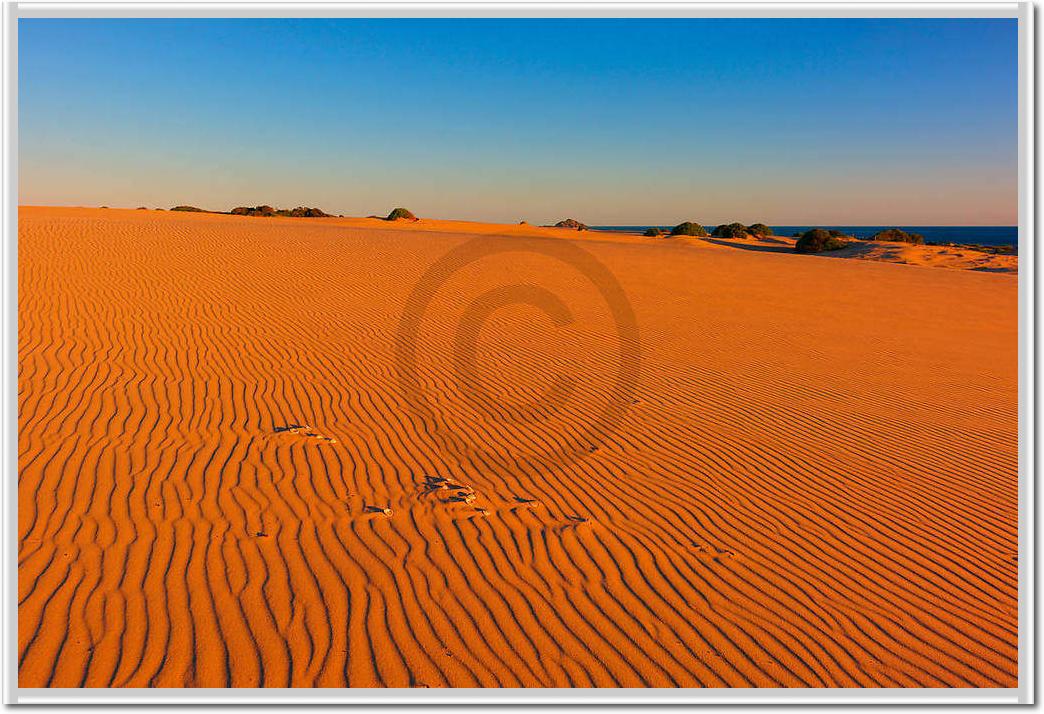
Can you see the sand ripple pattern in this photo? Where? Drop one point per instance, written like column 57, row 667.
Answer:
column 221, row 482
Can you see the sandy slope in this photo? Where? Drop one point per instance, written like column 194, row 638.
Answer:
column 929, row 256
column 814, row 486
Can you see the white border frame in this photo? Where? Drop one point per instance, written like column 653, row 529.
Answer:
column 1024, row 694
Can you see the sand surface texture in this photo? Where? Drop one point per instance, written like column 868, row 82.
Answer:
column 238, row 469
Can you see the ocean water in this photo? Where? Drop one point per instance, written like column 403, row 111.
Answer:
column 982, row 235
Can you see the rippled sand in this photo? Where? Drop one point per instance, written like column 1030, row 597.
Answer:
column 238, row 459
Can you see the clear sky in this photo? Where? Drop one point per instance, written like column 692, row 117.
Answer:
column 788, row 122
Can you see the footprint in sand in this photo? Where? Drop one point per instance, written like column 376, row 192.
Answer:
column 432, row 484
column 569, row 523
column 306, row 431
column 458, row 493
column 712, row 554
column 517, row 502
column 461, row 497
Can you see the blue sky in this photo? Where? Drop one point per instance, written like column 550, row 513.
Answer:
column 888, row 121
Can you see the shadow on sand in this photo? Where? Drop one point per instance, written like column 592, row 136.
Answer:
column 760, row 247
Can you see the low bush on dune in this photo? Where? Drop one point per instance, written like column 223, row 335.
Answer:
column 730, row 230
column 305, row 212
column 191, row 209
column 759, row 229
column 818, row 240
column 653, row 232
column 897, row 235
column 689, row 228
column 401, row 214
column 571, row 223
column 267, row 211
column 253, row 211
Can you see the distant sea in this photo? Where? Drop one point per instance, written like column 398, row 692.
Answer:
column 983, row 235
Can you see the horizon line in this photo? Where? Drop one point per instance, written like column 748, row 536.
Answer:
column 591, row 225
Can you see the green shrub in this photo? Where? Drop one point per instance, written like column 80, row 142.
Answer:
column 188, row 208
column 653, row 232
column 400, row 213
column 730, row 230
column 759, row 229
column 818, row 240
column 689, row 228
column 898, row 235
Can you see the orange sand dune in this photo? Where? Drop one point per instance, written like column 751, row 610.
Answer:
column 810, row 481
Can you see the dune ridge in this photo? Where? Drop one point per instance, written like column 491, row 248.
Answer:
column 816, row 484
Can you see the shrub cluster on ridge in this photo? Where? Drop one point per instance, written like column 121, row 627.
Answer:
column 398, row 214
column 299, row 212
column 897, row 235
column 689, row 228
column 571, row 223
column 818, row 240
